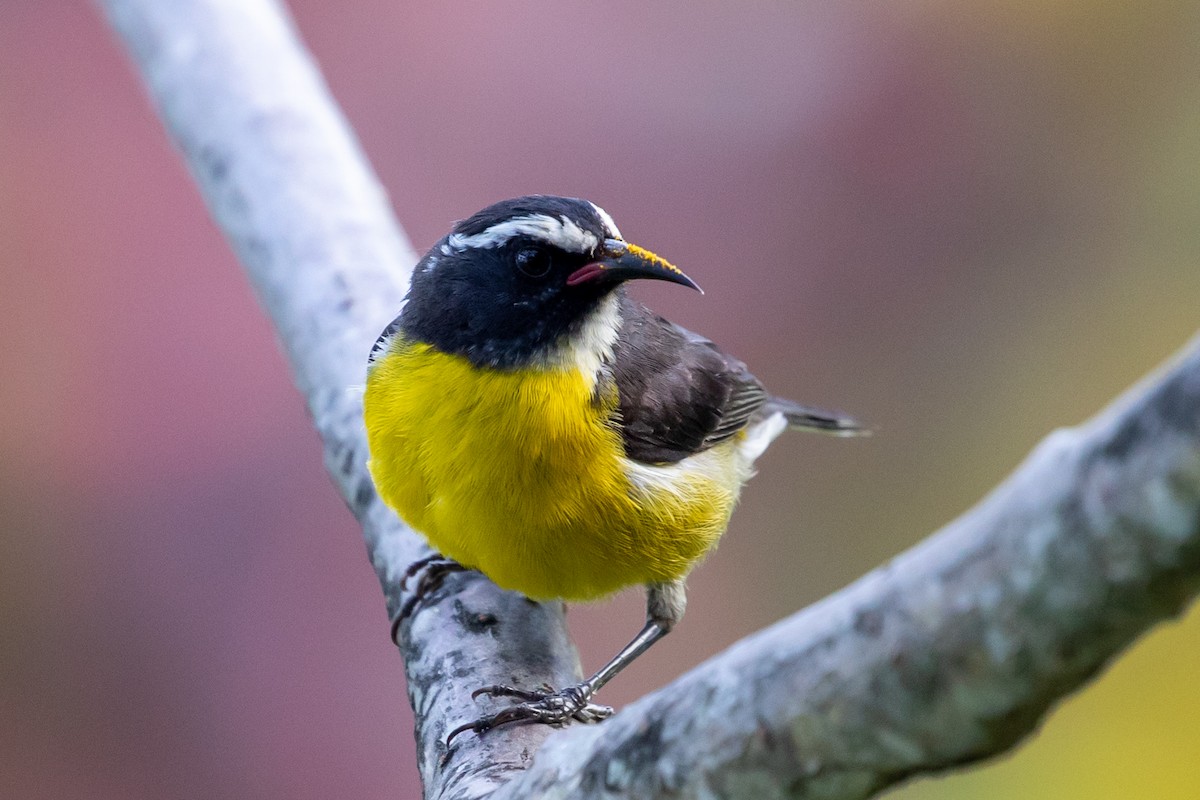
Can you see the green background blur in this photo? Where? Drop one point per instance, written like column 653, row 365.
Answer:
column 968, row 223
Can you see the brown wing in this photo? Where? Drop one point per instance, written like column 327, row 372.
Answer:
column 678, row 393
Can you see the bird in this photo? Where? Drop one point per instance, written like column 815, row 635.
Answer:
column 536, row 424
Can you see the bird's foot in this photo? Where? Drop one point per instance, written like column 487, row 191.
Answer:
column 543, row 708
column 433, row 571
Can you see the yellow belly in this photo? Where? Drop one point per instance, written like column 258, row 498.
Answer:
column 520, row 474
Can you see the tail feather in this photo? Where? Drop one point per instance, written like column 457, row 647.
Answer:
column 816, row 419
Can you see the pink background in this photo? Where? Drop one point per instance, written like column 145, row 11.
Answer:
column 969, row 223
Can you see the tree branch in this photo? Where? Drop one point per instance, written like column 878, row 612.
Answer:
column 949, row 654
column 952, row 652
column 284, row 178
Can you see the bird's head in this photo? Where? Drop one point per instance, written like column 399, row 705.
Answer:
column 525, row 281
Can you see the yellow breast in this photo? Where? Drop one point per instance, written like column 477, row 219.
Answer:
column 520, row 474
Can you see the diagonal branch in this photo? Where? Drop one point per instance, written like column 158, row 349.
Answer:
column 284, row 178
column 950, row 653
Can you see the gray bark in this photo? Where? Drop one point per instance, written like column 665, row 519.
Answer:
column 952, row 652
column 285, row 179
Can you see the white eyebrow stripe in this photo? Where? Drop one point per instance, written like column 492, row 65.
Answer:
column 558, row 231
column 609, row 225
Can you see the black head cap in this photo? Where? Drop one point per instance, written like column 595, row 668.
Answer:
column 506, row 285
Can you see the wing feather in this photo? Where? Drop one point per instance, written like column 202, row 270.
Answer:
column 678, row 393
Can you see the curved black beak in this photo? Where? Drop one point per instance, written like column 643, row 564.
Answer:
column 621, row 261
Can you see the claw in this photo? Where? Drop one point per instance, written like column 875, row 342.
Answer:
column 434, row 563
column 498, row 690
column 433, row 570
column 543, row 708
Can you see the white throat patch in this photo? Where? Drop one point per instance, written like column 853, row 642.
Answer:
column 590, row 348
column 558, row 231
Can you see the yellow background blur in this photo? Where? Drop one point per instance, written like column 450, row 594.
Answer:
column 968, row 223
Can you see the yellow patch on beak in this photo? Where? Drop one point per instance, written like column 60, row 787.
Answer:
column 653, row 258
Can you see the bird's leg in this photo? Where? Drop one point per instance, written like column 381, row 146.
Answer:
column 665, row 604
column 433, row 571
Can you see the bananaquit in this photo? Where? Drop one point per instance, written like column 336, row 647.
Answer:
column 537, row 425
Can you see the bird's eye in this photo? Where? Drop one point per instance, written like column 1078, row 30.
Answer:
column 533, row 262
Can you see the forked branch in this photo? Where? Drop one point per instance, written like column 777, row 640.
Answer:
column 948, row 654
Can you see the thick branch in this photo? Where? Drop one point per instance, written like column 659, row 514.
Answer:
column 952, row 652
column 285, row 179
column 949, row 654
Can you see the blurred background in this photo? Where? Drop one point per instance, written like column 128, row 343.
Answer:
column 968, row 223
